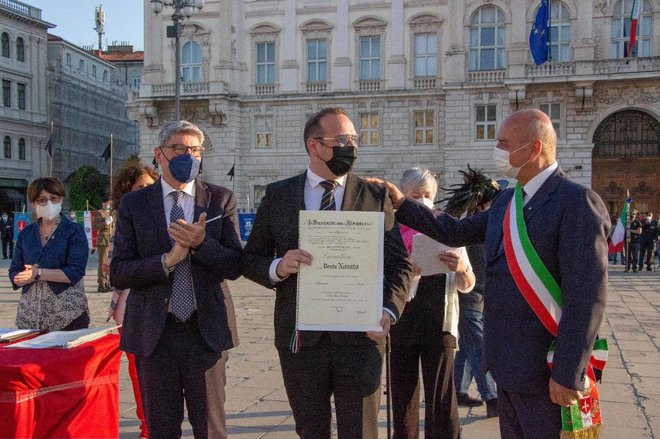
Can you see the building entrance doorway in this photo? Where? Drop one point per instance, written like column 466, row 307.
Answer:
column 626, row 157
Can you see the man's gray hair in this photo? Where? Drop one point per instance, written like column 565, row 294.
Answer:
column 416, row 178
column 179, row 127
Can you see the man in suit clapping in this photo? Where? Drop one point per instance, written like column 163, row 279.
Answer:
column 174, row 263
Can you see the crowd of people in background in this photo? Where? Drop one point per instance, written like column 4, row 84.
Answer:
column 167, row 269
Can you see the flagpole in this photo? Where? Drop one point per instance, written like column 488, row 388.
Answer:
column 110, row 191
column 233, row 180
column 627, row 230
column 50, row 156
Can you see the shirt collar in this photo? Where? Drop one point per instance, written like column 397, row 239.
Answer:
column 189, row 188
column 315, row 180
column 537, row 181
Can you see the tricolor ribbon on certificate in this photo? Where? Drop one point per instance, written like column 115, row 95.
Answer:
column 543, row 294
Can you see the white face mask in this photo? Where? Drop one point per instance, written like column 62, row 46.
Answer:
column 5, row 218
column 49, row 211
column 501, row 159
column 427, row 202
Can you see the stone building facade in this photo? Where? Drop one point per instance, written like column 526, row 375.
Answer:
column 427, row 83
column 86, row 106
column 24, row 106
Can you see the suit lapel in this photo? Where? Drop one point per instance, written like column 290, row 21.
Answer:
column 544, row 194
column 298, row 192
column 352, row 192
column 202, row 199
column 157, row 208
column 497, row 215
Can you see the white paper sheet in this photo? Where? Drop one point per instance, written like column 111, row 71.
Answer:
column 425, row 253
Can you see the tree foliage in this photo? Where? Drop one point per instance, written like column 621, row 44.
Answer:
column 87, row 184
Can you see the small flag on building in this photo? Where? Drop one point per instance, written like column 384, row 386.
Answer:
column 634, row 19
column 49, row 147
column 538, row 37
column 107, row 152
column 231, row 172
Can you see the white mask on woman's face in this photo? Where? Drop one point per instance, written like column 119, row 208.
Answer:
column 49, row 211
column 427, row 202
column 501, row 159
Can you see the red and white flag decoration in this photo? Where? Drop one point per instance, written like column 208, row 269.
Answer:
column 634, row 19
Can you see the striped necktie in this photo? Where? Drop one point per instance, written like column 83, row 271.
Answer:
column 328, row 199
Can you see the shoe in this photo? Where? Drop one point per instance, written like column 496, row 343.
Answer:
column 491, row 408
column 466, row 400
column 648, row 268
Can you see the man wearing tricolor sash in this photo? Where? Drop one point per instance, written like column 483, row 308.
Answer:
column 546, row 281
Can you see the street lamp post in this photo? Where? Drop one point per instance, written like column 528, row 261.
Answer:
column 182, row 9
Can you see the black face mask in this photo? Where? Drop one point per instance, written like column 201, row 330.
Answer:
column 342, row 160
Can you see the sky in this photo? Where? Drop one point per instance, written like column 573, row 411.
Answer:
column 75, row 20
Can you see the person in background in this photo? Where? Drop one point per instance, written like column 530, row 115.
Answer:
column 7, row 235
column 474, row 195
column 635, row 231
column 427, row 332
column 131, row 178
column 103, row 223
column 647, row 241
column 174, row 264
column 49, row 264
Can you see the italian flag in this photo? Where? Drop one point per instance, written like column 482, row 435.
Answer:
column 634, row 18
column 619, row 234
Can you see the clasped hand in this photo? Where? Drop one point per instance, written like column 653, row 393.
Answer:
column 26, row 276
column 186, row 236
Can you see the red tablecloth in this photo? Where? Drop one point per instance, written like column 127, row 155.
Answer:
column 61, row 393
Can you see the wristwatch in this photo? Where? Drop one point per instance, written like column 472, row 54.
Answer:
column 38, row 274
column 167, row 269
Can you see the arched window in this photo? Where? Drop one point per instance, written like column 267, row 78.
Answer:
column 621, row 29
column 20, row 49
column 21, row 149
column 487, row 39
column 4, row 42
column 7, row 147
column 191, row 62
column 628, row 133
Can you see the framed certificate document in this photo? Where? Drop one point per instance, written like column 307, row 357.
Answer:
column 342, row 290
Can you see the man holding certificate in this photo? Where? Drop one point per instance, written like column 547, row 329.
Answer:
column 543, row 304
column 327, row 242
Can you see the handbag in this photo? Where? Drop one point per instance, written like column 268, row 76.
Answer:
column 40, row 308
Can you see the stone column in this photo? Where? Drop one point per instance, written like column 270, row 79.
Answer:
column 341, row 72
column 396, row 63
column 289, row 68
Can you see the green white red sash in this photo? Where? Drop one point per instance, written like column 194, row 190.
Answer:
column 542, row 293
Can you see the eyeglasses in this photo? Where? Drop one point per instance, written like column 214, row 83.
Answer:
column 183, row 149
column 55, row 199
column 342, row 140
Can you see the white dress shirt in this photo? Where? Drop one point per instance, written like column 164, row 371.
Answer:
column 187, row 200
column 313, row 193
column 537, row 181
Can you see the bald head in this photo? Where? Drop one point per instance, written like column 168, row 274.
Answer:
column 530, row 139
column 532, row 125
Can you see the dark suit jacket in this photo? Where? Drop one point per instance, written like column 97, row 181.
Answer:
column 568, row 226
column 140, row 240
column 275, row 231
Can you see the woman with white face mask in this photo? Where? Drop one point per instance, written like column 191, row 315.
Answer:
column 426, row 333
column 49, row 264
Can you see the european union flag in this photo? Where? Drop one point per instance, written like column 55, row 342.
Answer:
column 538, row 37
